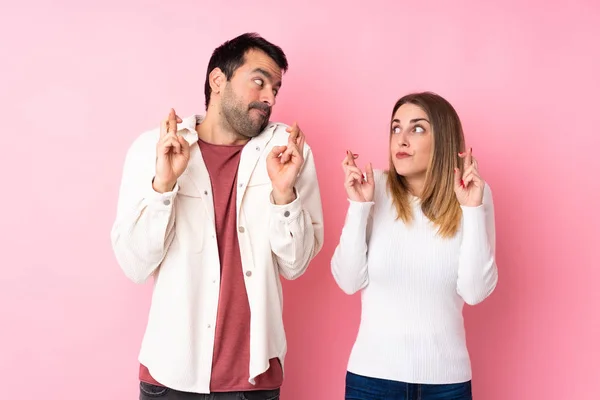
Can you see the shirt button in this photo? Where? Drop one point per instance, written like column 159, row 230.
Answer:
column 241, row 185
column 166, row 202
column 248, row 274
column 206, row 192
column 241, row 229
column 286, row 214
column 208, row 326
column 257, row 148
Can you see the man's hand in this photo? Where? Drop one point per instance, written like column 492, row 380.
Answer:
column 283, row 166
column 172, row 155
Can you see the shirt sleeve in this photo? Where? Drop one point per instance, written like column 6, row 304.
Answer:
column 296, row 229
column 143, row 228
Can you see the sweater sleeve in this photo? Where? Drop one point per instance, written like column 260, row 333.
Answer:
column 349, row 261
column 477, row 270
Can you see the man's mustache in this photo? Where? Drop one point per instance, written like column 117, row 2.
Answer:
column 260, row 106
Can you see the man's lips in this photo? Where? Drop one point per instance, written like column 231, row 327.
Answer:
column 262, row 112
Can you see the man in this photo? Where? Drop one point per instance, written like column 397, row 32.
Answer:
column 214, row 208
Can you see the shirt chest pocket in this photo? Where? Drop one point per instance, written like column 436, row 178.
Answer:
column 191, row 223
column 259, row 180
column 257, row 193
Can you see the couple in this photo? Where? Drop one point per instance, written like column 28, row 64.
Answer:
column 215, row 208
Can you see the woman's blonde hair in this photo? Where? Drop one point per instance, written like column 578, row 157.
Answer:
column 438, row 200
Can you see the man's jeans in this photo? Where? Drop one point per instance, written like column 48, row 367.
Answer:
column 151, row 392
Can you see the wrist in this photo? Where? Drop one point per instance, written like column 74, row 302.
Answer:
column 471, row 203
column 283, row 197
column 162, row 187
column 357, row 198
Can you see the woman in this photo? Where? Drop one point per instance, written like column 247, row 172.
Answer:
column 418, row 242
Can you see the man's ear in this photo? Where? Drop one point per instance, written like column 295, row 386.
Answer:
column 216, row 79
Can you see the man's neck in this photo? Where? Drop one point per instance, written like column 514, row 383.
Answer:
column 214, row 130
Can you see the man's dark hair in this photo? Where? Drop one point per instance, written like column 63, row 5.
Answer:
column 230, row 56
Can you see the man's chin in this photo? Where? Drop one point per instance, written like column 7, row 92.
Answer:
column 261, row 124
column 250, row 133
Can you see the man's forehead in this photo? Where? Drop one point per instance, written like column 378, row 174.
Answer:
column 257, row 61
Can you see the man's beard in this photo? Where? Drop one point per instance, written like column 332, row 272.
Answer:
column 238, row 115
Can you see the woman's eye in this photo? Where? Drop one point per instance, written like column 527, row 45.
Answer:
column 396, row 129
column 419, row 129
column 259, row 82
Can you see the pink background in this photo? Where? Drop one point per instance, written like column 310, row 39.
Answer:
column 80, row 80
